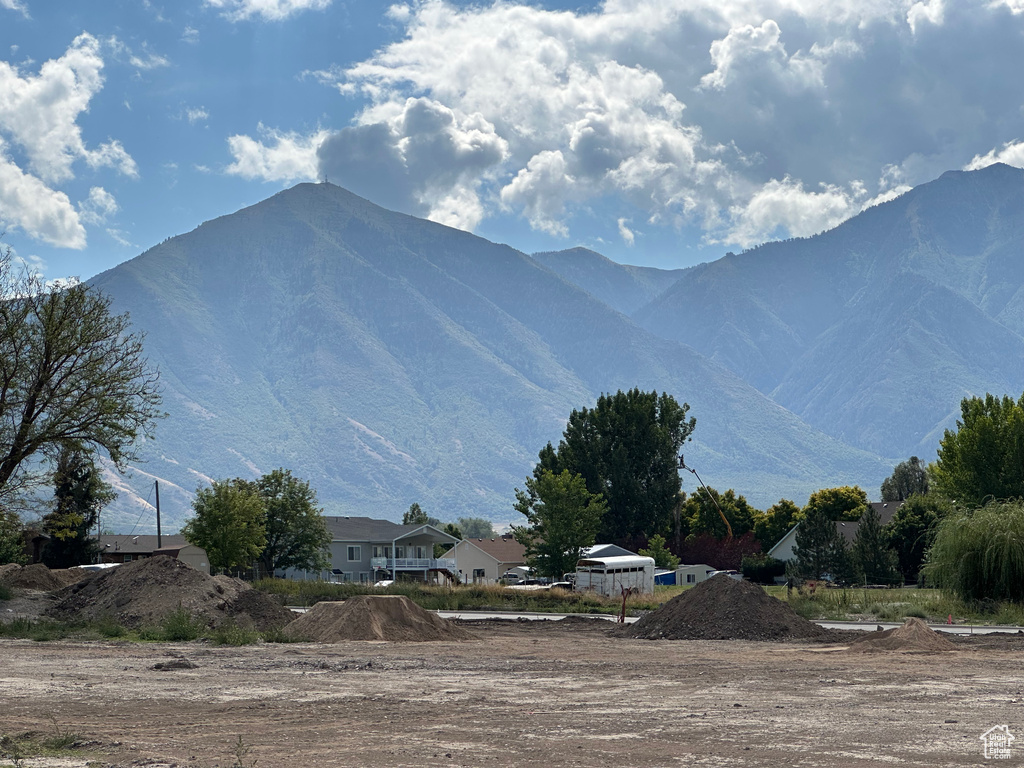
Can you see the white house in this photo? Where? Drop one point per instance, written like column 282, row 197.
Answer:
column 484, row 561
column 692, row 574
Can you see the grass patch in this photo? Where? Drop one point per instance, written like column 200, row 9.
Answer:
column 58, row 742
column 5, row 592
column 229, row 633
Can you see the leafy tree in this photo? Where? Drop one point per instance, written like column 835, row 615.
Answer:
column 562, row 520
column 847, row 503
column 820, row 550
column 12, row 543
column 702, row 516
column 229, row 523
column 871, row 558
column 912, row 531
column 762, row 569
column 296, row 534
column 476, row 528
column 415, row 516
column 662, row 557
column 70, row 372
column 627, row 450
column 776, row 522
column 984, row 457
column 979, row 554
column 452, row 530
column 79, row 494
column 907, row 478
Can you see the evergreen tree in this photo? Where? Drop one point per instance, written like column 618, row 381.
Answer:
column 820, row 551
column 872, row 559
column 79, row 494
column 415, row 516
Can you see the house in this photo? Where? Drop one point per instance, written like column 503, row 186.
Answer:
column 692, row 574
column 783, row 550
column 121, row 548
column 484, row 561
column 366, row 550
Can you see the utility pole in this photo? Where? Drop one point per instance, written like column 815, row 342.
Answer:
column 159, row 542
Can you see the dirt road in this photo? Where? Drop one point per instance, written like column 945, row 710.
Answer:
column 524, row 694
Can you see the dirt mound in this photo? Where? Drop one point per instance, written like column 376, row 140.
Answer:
column 35, row 576
column 914, row 637
column 147, row 591
column 374, row 617
column 723, row 608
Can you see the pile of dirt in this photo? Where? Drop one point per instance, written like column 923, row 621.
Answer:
column 723, row 608
column 913, row 637
column 37, row 576
column 374, row 617
column 145, row 592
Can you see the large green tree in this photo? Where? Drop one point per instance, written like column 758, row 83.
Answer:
column 229, row 523
column 296, row 534
column 626, row 448
column 79, row 493
column 820, row 550
column 476, row 528
column 908, row 478
column 70, row 372
column 776, row 522
column 415, row 515
column 984, row 457
column 562, row 519
column 846, row 503
column 911, row 531
column 701, row 514
column 12, row 542
column 872, row 560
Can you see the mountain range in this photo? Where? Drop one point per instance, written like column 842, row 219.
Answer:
column 391, row 360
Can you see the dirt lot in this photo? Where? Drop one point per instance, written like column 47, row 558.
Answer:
column 524, row 694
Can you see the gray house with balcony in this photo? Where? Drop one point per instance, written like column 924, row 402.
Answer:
column 366, row 550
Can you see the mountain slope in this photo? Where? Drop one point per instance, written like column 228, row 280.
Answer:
column 875, row 330
column 389, row 360
column 621, row 286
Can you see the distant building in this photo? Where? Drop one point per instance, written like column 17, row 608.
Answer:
column 783, row 550
column 485, row 561
column 119, row 548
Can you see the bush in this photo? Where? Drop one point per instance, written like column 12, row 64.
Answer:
column 979, row 554
column 229, row 633
column 5, row 592
column 762, row 569
column 180, row 626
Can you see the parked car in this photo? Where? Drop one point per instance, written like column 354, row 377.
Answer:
column 730, row 573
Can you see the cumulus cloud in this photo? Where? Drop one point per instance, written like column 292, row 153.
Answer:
column 277, row 156
column 96, row 208
column 1011, row 153
column 15, row 5
column 196, row 115
column 748, row 119
column 627, row 235
column 43, row 213
column 268, row 10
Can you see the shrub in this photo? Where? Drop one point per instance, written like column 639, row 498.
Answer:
column 180, row 626
column 229, row 633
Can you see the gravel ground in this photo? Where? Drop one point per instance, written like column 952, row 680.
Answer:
column 524, row 694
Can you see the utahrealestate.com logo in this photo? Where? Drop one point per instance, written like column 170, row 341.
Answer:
column 997, row 741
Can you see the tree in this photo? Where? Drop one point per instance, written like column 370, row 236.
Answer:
column 912, row 531
column 626, row 449
column 871, row 558
column 79, row 494
column 984, row 457
column 662, row 557
column 979, row 554
column 820, row 551
column 776, row 522
column 229, row 523
column 296, row 534
column 70, row 372
column 476, row 528
column 701, row 513
column 12, row 543
column 562, row 520
column 907, row 478
column 415, row 516
column 847, row 503
column 718, row 553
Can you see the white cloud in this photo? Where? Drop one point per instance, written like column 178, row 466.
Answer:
column 40, row 112
column 142, row 61
column 268, row 10
column 190, row 35
column 1011, row 153
column 277, row 156
column 627, row 235
column 932, row 12
column 43, row 213
column 196, row 115
column 540, row 190
column 759, row 48
column 15, row 5
column 97, row 207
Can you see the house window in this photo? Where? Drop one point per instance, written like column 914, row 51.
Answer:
column 355, row 553
column 691, row 578
column 479, row 574
column 420, row 553
column 399, row 551
column 127, row 558
column 379, row 551
column 364, row 577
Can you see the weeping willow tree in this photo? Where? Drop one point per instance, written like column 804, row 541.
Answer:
column 980, row 554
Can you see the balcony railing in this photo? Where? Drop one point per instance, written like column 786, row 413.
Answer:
column 412, row 563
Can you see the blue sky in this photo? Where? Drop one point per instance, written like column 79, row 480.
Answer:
column 660, row 132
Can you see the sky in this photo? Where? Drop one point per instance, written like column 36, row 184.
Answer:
column 657, row 132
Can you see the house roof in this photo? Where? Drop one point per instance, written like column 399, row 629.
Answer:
column 143, row 544
column 607, row 550
column 504, row 549
column 848, row 530
column 384, row 531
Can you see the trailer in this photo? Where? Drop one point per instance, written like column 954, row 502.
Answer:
column 609, row 575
